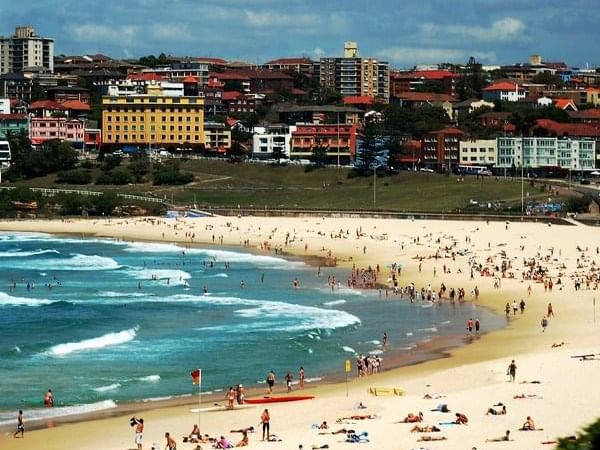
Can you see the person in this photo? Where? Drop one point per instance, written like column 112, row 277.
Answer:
column 470, row 325
column 301, row 376
column 271, row 381
column 411, row 418
column 265, row 419
column 550, row 310
column 230, row 397
column 477, row 327
column 494, row 412
column 529, row 425
column 244, row 441
column 324, row 425
column 223, row 443
column 288, row 381
column 20, row 425
column 139, row 431
column 432, row 438
column 507, row 310
column 512, row 371
column 385, row 339
column 515, row 307
column 506, row 437
column 461, row 419
column 171, row 444
column 424, row 429
column 195, row 434
column 544, row 323
column 522, row 306
column 49, row 398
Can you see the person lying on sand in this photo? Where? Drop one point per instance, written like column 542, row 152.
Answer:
column 506, row 437
column 571, row 438
column 432, row 438
column 249, row 429
column 527, row 396
column 424, row 429
column 358, row 417
column 412, row 418
column 433, row 396
column 494, row 412
column 558, row 344
column 530, row 382
column 340, row 431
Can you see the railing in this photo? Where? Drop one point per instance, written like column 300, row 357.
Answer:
column 50, row 192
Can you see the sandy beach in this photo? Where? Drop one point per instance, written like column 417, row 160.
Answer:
column 559, row 390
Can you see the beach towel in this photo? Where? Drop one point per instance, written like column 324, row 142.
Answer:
column 385, row 391
column 442, row 407
column 356, row 438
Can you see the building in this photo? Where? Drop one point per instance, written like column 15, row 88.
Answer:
column 62, row 94
column 319, row 114
column 468, row 106
column 153, row 120
column 506, row 91
column 26, row 52
column 235, row 102
column 587, row 116
column 217, row 137
column 44, row 129
column 338, row 140
column 546, row 153
column 302, row 65
column 479, row 152
column 420, row 79
column 16, row 86
column 267, row 139
column 355, row 76
column 5, row 155
column 441, row 149
column 179, row 70
column 13, row 124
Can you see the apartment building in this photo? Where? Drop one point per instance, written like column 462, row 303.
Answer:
column 441, row 149
column 356, row 76
column 13, row 124
column 217, row 137
column 25, row 51
column 478, row 152
column 44, row 129
column 300, row 65
column 338, row 140
column 153, row 119
column 267, row 139
column 506, row 91
column 546, row 153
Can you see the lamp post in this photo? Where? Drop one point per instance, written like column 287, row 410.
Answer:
column 374, row 185
column 338, row 139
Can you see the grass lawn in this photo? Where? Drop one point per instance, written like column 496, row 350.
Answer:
column 221, row 184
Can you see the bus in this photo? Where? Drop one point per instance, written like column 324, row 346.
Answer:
column 472, row 170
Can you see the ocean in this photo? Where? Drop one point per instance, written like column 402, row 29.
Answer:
column 103, row 322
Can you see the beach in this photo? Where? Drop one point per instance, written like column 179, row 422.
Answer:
column 470, row 379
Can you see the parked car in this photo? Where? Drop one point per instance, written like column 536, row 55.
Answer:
column 426, row 169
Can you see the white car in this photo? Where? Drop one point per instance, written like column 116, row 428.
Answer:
column 425, row 169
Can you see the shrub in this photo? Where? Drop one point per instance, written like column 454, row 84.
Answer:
column 75, row 176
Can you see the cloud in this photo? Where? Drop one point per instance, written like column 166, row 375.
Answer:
column 266, row 19
column 502, row 30
column 102, row 33
column 422, row 55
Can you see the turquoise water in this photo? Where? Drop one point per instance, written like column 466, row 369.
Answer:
column 102, row 321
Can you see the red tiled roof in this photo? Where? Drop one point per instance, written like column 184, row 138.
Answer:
column 229, row 75
column 434, row 74
column 563, row 103
column 358, row 100
column 231, row 95
column 230, row 121
column 289, row 61
column 501, row 86
column 568, row 129
column 586, row 114
column 145, row 76
column 13, row 116
column 212, row 60
column 190, row 79
column 46, row 104
column 449, row 130
column 425, row 97
column 76, row 105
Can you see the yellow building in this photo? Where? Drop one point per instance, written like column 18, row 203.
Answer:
column 153, row 120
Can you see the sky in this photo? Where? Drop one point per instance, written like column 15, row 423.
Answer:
column 403, row 32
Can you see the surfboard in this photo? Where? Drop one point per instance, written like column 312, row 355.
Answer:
column 287, row 398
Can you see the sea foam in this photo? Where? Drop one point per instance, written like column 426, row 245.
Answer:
column 9, row 300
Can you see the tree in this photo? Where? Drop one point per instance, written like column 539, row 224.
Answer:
column 588, row 439
column 319, row 156
column 139, row 165
column 372, row 150
column 278, row 153
column 473, row 80
column 54, row 156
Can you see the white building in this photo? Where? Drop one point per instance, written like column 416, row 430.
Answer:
column 539, row 152
column 26, row 52
column 4, row 106
column 131, row 87
column 273, row 136
column 478, row 152
column 506, row 91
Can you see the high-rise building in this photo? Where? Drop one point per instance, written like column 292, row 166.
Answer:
column 25, row 51
column 355, row 76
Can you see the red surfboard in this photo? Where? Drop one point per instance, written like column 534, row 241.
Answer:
column 288, row 398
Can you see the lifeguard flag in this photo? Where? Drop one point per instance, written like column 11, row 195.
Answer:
column 197, row 376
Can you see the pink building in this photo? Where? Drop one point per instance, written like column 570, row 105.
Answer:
column 43, row 129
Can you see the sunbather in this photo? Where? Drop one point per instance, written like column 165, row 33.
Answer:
column 432, row 438
column 461, row 419
column 424, row 429
column 412, row 418
column 358, row 417
column 506, row 437
column 494, row 412
column 529, row 425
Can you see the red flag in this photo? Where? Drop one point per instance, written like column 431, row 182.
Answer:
column 197, row 376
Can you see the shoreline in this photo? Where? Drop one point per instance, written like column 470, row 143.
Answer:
column 520, row 338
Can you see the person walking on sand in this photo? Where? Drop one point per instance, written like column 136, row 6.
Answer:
column 544, row 323
column 512, row 371
column 288, row 381
column 230, row 397
column 507, row 310
column 265, row 419
column 171, row 444
column 20, row 425
column 271, row 381
column 301, row 376
column 550, row 310
column 139, row 431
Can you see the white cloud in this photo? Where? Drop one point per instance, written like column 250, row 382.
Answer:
column 265, row 19
column 101, row 33
column 421, row 55
column 505, row 29
column 176, row 32
column 318, row 52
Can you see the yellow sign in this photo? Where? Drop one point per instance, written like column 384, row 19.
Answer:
column 348, row 366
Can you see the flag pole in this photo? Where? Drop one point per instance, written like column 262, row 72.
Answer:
column 199, row 398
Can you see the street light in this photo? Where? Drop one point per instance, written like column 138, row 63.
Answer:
column 374, row 185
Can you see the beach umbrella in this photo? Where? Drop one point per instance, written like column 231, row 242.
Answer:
column 595, row 173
